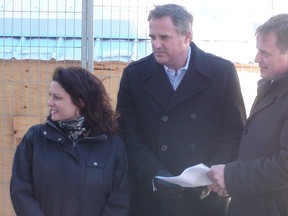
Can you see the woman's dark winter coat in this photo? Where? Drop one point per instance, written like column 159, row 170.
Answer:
column 54, row 177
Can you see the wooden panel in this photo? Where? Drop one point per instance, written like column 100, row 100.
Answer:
column 6, row 156
column 252, row 67
column 6, row 96
column 20, row 126
column 6, row 133
column 6, row 208
column 23, row 93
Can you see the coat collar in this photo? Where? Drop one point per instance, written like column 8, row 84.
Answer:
column 277, row 90
column 157, row 85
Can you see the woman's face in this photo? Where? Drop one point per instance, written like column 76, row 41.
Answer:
column 60, row 104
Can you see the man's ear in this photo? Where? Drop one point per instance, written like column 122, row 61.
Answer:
column 188, row 37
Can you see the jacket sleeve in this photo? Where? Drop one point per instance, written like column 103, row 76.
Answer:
column 117, row 203
column 21, row 184
column 233, row 120
column 260, row 175
column 142, row 162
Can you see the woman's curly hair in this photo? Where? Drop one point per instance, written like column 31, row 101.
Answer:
column 88, row 93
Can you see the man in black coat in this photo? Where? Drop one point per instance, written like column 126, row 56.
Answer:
column 179, row 107
column 258, row 180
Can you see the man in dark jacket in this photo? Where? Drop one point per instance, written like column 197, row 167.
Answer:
column 179, row 107
column 258, row 181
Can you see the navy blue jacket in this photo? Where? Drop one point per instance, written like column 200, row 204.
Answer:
column 54, row 177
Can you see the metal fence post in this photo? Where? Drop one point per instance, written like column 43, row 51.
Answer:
column 87, row 43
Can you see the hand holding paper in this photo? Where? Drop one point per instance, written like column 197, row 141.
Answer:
column 194, row 176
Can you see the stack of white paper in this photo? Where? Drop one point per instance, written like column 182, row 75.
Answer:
column 194, row 176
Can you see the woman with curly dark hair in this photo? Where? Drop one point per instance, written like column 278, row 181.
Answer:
column 75, row 163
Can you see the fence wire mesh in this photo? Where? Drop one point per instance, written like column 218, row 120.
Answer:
column 37, row 36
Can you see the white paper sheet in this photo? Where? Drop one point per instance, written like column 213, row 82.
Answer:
column 194, row 176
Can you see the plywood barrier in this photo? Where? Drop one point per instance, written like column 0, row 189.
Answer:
column 5, row 204
column 21, row 124
column 250, row 67
column 24, row 93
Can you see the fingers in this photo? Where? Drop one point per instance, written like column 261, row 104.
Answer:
column 204, row 193
column 216, row 175
column 218, row 189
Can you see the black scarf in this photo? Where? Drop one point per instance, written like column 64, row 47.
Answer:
column 74, row 129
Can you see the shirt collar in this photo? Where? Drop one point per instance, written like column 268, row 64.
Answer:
column 187, row 62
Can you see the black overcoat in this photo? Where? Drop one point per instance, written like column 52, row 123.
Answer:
column 200, row 122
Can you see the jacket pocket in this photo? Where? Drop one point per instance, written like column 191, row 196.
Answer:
column 94, row 172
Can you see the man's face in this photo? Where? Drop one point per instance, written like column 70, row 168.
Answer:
column 169, row 47
column 272, row 62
